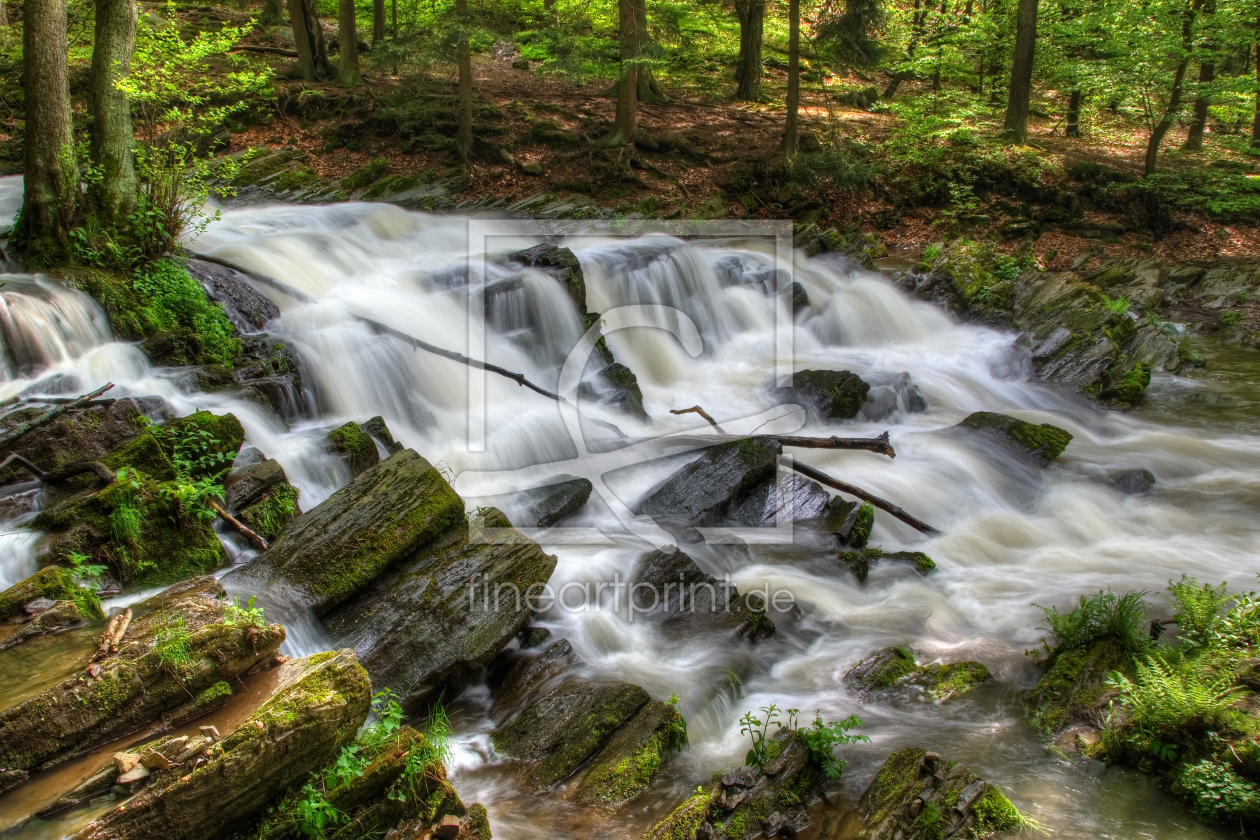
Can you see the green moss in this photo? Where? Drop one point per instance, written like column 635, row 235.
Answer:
column 272, row 512
column 995, row 813
column 367, row 174
column 757, row 626
column 144, row 454
column 952, row 679
column 1046, row 439
column 54, row 583
column 930, row 825
column 391, row 185
column 356, row 445
column 1074, row 681
column 1129, row 388
column 861, row 532
column 215, row 692
column 295, row 179
column 899, row 771
column 625, row 779
column 859, row 562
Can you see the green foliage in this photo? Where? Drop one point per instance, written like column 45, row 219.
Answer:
column 367, row 174
column 1198, row 611
column 675, row 726
column 173, row 646
column 174, row 300
column 1104, row 615
column 1217, row 793
column 1166, row 700
column 85, row 572
column 757, row 730
column 235, row 615
column 1118, row 305
column 126, row 519
column 1231, row 319
column 821, row 739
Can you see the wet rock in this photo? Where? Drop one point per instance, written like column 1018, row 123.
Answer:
column 248, row 309
column 613, row 384
column 793, row 496
column 244, row 486
column 798, row 298
column 566, row 727
column 54, row 584
column 859, row 562
column 830, row 395
column 1042, row 443
column 851, row 522
column 1073, row 690
column 38, row 606
column 10, row 779
column 382, row 518
column 60, row 616
column 515, row 674
column 380, row 432
column 563, row 264
column 917, row 795
column 355, row 446
column 562, row 501
column 272, row 512
column 703, row 492
column 435, row 621
column 626, row 765
column 320, row 703
column 896, row 666
column 176, row 647
column 890, row 394
column 685, row 599
column 1134, row 482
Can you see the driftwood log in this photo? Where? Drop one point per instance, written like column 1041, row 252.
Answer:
column 882, row 504
column 7, row 438
column 238, row 525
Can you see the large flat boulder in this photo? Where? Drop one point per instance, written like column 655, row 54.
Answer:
column 708, row 488
column 432, row 624
column 627, row 763
column 377, row 521
column 177, row 647
column 320, row 703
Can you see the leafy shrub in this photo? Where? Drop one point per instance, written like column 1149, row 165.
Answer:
column 1217, row 793
column 1198, row 610
column 1105, row 615
column 1169, row 699
column 821, row 739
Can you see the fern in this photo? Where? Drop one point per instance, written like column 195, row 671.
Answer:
column 1238, row 628
column 1171, row 699
column 1198, row 610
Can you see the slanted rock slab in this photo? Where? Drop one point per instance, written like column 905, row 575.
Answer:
column 706, row 489
column 1042, row 443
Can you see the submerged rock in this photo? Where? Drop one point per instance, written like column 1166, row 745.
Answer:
column 1041, row 443
column 561, row 501
column 320, row 703
column 859, row 562
column 830, row 395
column 917, row 795
column 686, row 599
column 896, row 666
column 379, row 520
column 1135, row 482
column 178, row 647
column 430, row 626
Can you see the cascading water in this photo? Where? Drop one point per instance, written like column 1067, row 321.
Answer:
column 1010, row 537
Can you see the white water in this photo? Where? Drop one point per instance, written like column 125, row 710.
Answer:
column 1012, row 537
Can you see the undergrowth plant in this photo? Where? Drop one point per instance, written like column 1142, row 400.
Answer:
column 1100, row 616
column 821, row 739
column 173, row 647
column 234, row 615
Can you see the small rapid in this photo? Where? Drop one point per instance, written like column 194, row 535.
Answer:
column 1012, row 537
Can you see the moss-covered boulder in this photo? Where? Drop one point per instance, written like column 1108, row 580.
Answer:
column 626, row 765
column 685, row 599
column 354, row 445
column 262, row 497
column 830, row 395
column 706, row 489
column 176, row 648
column 917, row 795
column 379, row 520
column 244, row 486
column 1040, row 443
column 896, row 666
column 429, row 626
column 559, row 732
column 86, row 434
column 62, row 615
column 851, row 522
column 860, row 561
column 320, row 703
column 1073, row 692
column 54, row 583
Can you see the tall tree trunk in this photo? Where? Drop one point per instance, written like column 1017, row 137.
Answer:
column 628, row 84
column 308, row 40
column 1255, row 123
column 752, row 18
column 1202, row 98
column 649, row 90
column 1174, row 99
column 378, row 21
column 1015, row 126
column 51, row 179
column 113, row 197
column 348, row 38
column 791, row 131
column 918, row 20
column 393, row 11
column 1074, row 116
column 463, row 117
column 272, row 13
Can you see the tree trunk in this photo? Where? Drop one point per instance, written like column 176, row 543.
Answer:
column 649, row 90
column 308, row 40
column 1202, row 98
column 1174, row 100
column 1015, row 126
column 1255, row 123
column 752, row 18
column 114, row 195
column 51, row 179
column 272, row 13
column 378, row 21
column 1074, row 116
column 393, row 11
column 348, row 37
column 463, row 116
column 918, row 20
column 790, row 129
column 628, row 84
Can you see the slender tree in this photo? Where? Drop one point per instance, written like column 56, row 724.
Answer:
column 1073, row 128
column 463, row 117
column 272, row 13
column 790, row 130
column 113, row 194
column 1179, row 79
column 1202, row 98
column 348, row 38
column 1255, row 123
column 1015, row 126
column 918, row 23
column 752, row 19
column 308, row 39
column 378, row 21
column 51, row 177
column 628, row 83
column 649, row 90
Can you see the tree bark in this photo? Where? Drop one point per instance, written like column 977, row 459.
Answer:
column 649, row 90
column 348, row 37
column 918, row 21
column 51, row 177
column 1174, row 100
column 393, row 11
column 308, row 39
column 1015, row 126
column 272, row 13
column 1255, row 123
column 1074, row 116
column 113, row 196
column 790, row 129
column 378, row 21
column 463, row 116
column 628, row 84
column 1202, row 98
column 752, row 18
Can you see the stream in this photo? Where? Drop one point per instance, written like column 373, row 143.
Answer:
column 1011, row 537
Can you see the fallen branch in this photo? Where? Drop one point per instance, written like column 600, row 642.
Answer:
column 50, row 415
column 695, row 409
column 823, row 478
column 104, row 473
column 112, row 637
column 120, row 631
column 268, row 50
column 880, row 445
column 238, row 525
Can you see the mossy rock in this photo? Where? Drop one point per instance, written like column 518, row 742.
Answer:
column 271, row 513
column 356, row 446
column 881, row 670
column 1125, row 386
column 87, row 434
column 369, row 173
column 685, row 821
column 917, row 795
column 1041, row 443
column 896, row 666
column 317, row 708
column 382, row 518
column 626, row 765
column 831, row 395
column 1073, row 690
column 945, row 680
column 860, row 561
column 54, row 583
